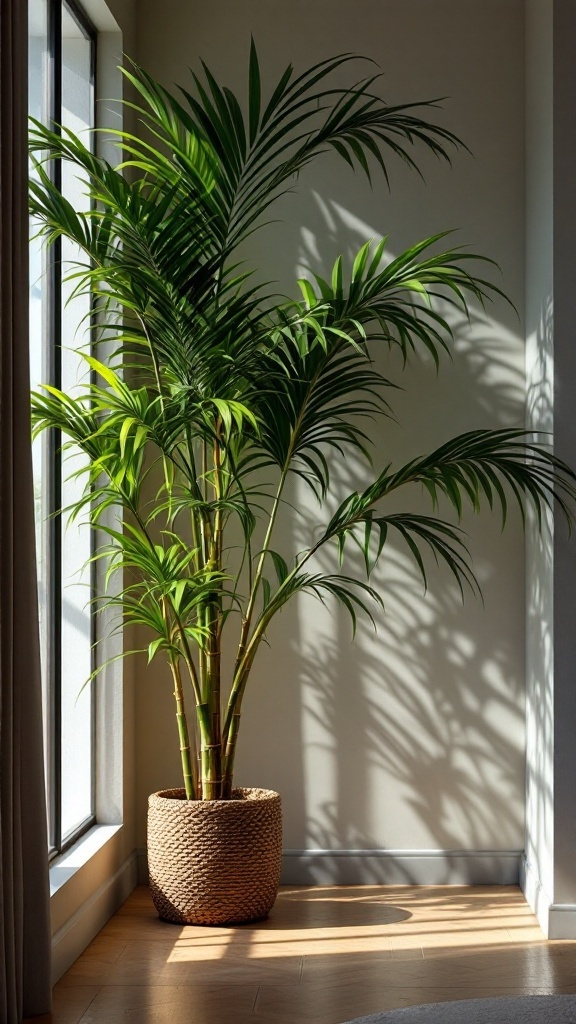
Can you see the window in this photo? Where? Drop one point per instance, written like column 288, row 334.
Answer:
column 61, row 91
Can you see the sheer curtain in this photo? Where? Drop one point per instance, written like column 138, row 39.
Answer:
column 24, row 893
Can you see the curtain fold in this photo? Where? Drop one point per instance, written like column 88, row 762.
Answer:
column 24, row 890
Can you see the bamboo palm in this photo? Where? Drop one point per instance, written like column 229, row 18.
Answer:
column 213, row 379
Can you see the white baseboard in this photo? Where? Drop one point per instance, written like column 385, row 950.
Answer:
column 562, row 921
column 391, row 867
column 401, row 867
column 557, row 920
column 79, row 930
column 536, row 896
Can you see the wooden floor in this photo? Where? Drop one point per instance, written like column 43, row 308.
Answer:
column 324, row 955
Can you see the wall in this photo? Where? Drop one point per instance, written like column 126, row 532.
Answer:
column 549, row 872
column 565, row 445
column 411, row 740
column 540, row 402
column 115, row 16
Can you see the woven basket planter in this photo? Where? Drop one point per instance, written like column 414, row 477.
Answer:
column 214, row 861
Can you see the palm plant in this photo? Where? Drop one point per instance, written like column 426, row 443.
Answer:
column 214, row 382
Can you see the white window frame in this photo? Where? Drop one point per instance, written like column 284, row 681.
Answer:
column 89, row 881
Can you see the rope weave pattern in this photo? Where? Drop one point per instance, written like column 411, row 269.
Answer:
column 214, row 861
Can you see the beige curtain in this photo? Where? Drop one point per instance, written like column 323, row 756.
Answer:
column 24, row 896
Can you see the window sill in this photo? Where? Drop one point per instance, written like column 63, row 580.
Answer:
column 64, row 868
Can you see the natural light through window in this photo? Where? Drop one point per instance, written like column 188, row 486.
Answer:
column 61, row 91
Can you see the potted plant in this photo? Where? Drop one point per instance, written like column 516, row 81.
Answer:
column 212, row 380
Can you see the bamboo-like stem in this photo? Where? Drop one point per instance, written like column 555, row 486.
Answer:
column 187, row 655
column 239, row 677
column 199, row 775
column 228, row 757
column 211, row 762
column 210, row 781
column 190, row 780
column 158, row 376
column 246, row 621
column 205, row 468
column 197, row 534
column 195, row 540
column 202, row 660
column 167, row 604
column 242, row 671
column 217, row 535
column 208, row 711
column 247, row 553
column 212, row 743
column 206, row 535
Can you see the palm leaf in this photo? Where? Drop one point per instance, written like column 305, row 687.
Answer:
column 214, row 380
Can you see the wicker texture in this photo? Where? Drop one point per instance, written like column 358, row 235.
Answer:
column 214, row 861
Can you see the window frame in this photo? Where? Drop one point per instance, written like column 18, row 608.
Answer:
column 53, row 462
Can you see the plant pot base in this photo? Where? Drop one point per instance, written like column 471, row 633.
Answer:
column 214, row 862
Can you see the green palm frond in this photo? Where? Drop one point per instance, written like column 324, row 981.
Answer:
column 371, row 531
column 349, row 592
column 396, row 299
column 250, row 153
column 482, row 466
column 317, row 401
column 218, row 390
column 476, row 465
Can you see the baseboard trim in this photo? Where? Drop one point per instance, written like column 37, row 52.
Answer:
column 401, row 867
column 391, row 867
column 562, row 921
column 557, row 920
column 79, row 930
column 537, row 898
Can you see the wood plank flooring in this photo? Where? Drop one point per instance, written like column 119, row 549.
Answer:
column 325, row 955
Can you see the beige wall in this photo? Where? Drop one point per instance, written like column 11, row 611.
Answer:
column 123, row 13
column 412, row 739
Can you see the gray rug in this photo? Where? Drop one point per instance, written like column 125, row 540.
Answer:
column 509, row 1010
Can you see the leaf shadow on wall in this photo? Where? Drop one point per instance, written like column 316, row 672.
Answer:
column 425, row 722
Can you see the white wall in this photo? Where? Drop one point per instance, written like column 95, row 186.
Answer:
column 565, row 446
column 540, row 401
column 414, row 739
column 549, row 877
